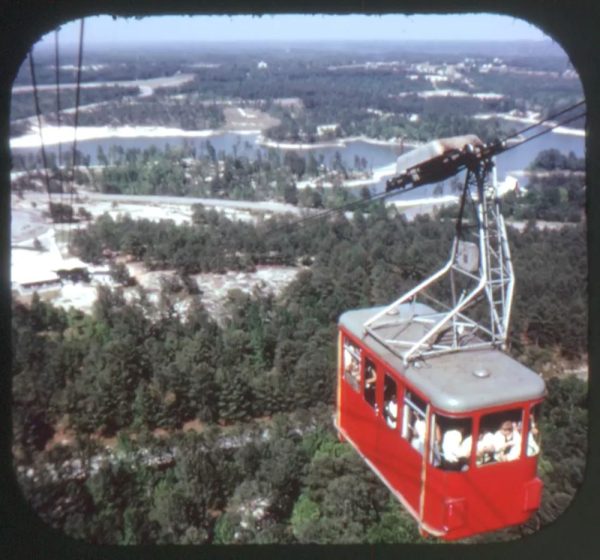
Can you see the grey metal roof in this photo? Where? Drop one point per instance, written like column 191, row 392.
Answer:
column 448, row 381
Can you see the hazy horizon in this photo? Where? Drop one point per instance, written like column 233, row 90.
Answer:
column 299, row 28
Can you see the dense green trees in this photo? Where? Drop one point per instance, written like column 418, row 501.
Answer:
column 550, row 309
column 327, row 86
column 555, row 192
column 126, row 382
column 183, row 171
column 260, row 383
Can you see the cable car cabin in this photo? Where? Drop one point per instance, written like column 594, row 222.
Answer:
column 454, row 437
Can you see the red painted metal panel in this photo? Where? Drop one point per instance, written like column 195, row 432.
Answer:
column 456, row 504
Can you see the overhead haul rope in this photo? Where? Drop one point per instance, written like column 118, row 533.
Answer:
column 39, row 119
column 549, row 128
column 548, row 118
column 58, row 108
column 77, row 97
column 385, row 194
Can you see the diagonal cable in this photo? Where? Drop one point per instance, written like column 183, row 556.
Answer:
column 77, row 98
column 40, row 127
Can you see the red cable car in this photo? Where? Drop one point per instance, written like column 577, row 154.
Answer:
column 426, row 395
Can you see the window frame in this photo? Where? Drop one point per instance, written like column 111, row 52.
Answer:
column 466, row 462
column 507, row 412
column 533, row 410
column 406, row 426
column 353, row 381
column 396, row 391
column 368, row 360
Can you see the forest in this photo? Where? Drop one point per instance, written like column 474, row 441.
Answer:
column 185, row 171
column 555, row 192
column 332, row 86
column 263, row 464
column 149, row 421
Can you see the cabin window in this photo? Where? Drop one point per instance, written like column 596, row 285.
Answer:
column 451, row 442
column 500, row 437
column 370, row 383
column 352, row 356
column 413, row 421
column 533, row 433
column 390, row 402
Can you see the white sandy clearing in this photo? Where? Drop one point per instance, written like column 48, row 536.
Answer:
column 58, row 135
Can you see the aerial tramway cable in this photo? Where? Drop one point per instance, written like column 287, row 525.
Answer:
column 39, row 119
column 549, row 128
column 58, row 112
column 380, row 196
column 58, row 107
column 548, row 118
column 76, row 121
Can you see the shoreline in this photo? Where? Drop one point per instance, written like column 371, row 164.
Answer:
column 54, row 135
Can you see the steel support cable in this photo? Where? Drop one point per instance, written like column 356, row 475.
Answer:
column 385, row 194
column 548, row 118
column 549, row 128
column 58, row 109
column 76, row 121
column 348, row 206
column 39, row 119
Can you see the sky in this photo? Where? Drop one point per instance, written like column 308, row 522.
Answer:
column 103, row 29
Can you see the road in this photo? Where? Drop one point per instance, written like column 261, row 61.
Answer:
column 28, row 222
column 144, row 85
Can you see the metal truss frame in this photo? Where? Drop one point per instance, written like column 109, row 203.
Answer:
column 488, row 283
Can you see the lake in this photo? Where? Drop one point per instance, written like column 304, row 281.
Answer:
column 376, row 155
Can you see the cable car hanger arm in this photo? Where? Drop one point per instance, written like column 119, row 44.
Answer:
column 446, row 165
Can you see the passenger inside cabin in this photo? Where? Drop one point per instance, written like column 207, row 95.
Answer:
column 485, row 448
column 533, row 447
column 500, row 437
column 507, row 442
column 352, row 364
column 370, row 383
column 390, row 402
column 417, row 428
column 436, row 449
column 391, row 411
column 456, row 448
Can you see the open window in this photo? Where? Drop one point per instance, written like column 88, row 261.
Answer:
column 499, row 438
column 351, row 364
column 390, row 402
column 413, row 421
column 370, row 391
column 533, row 432
column 451, row 442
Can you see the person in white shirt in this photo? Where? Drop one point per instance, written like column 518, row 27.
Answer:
column 391, row 412
column 533, row 447
column 485, row 448
column 418, row 434
column 507, row 442
column 456, row 449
